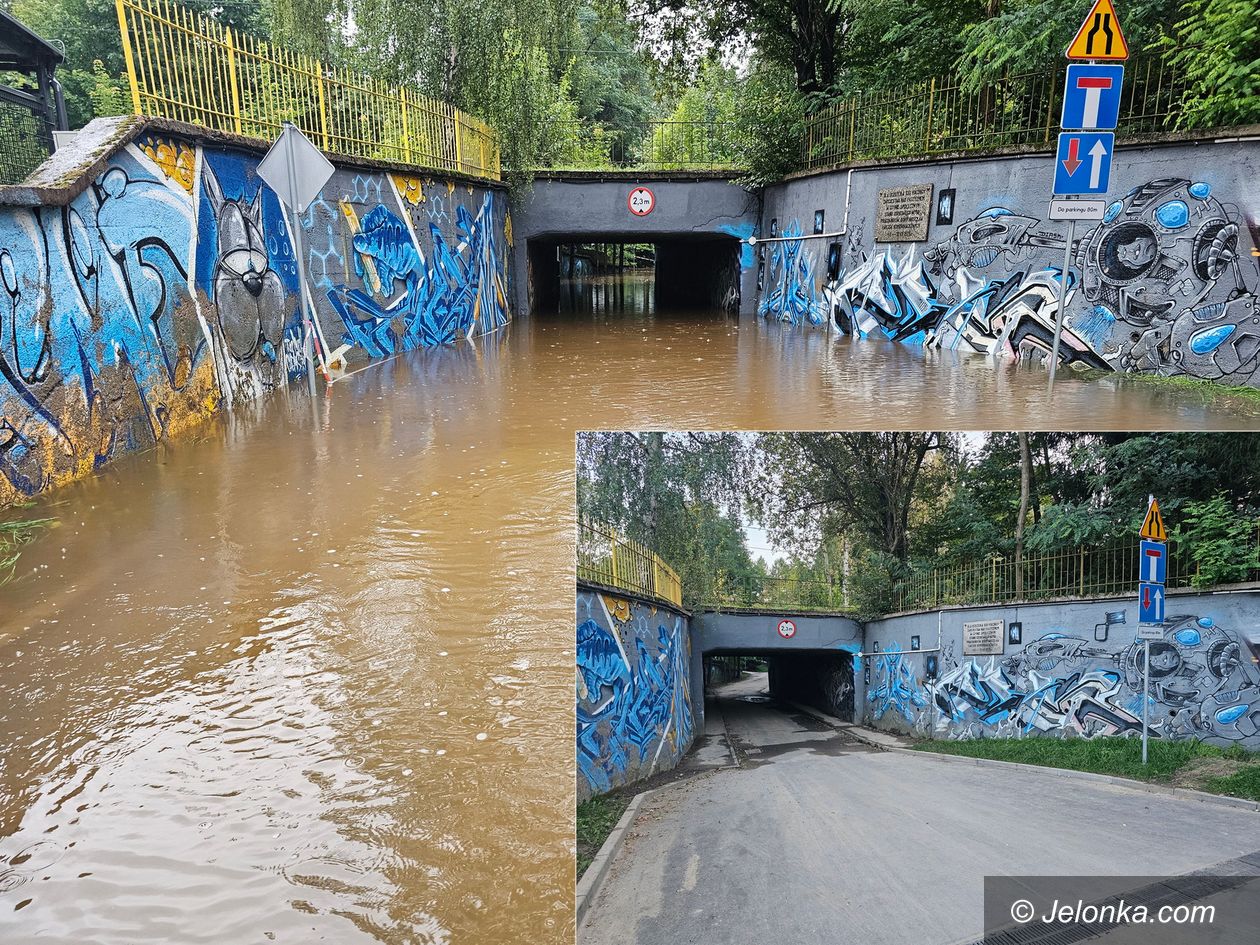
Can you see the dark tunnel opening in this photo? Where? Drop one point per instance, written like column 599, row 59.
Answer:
column 617, row 274
column 822, row 679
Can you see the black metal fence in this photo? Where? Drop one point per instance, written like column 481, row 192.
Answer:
column 25, row 134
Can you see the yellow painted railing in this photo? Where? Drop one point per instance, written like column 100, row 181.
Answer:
column 193, row 69
column 604, row 557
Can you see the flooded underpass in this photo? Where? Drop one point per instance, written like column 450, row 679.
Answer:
column 307, row 675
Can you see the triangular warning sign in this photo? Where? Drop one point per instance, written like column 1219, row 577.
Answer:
column 1100, row 36
column 1153, row 524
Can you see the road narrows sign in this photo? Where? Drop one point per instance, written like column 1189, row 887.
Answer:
column 787, row 629
column 641, row 201
column 1153, row 524
column 1100, row 36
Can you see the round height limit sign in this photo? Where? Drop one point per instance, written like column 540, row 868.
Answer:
column 787, row 629
column 641, row 201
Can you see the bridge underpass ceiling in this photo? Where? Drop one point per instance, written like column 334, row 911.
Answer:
column 775, row 632
column 586, row 210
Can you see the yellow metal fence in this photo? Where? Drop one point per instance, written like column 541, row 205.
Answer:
column 604, row 557
column 945, row 115
column 193, row 69
column 1076, row 572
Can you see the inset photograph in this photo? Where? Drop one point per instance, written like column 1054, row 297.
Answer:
column 876, row 667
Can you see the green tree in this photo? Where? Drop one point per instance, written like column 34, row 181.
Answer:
column 679, row 494
column 1216, row 48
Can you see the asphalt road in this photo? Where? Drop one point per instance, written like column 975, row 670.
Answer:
column 815, row 839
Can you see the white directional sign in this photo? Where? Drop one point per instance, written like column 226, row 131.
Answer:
column 1062, row 208
column 295, row 169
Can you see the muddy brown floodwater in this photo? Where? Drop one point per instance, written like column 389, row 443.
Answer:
column 307, row 676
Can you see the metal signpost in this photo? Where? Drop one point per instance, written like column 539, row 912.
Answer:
column 297, row 171
column 1152, row 574
column 1082, row 163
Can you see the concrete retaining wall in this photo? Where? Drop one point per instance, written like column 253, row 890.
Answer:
column 150, row 280
column 1070, row 669
column 1168, row 283
column 634, row 689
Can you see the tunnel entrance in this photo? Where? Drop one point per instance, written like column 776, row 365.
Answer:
column 822, row 679
column 618, row 274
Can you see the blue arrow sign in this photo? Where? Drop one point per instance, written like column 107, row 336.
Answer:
column 1153, row 562
column 1091, row 96
column 1151, row 603
column 1083, row 162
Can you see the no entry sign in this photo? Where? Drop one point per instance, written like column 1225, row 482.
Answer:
column 787, row 629
column 641, row 201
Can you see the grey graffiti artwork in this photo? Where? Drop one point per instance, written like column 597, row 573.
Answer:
column 1161, row 285
column 1203, row 682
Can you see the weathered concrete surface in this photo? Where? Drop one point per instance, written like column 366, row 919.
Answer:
column 814, row 843
column 595, row 210
column 758, row 632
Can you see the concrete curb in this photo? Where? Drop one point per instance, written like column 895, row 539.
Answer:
column 589, row 885
column 886, row 743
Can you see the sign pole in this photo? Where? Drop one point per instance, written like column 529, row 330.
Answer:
column 1063, row 282
column 1152, row 574
column 1146, row 695
column 308, row 343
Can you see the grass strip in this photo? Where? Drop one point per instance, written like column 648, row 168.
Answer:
column 596, row 819
column 1121, row 757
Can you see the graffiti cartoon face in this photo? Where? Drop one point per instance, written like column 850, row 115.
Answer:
column 247, row 291
column 1137, row 252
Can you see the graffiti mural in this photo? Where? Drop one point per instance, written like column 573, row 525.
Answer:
column 401, row 297
column 1163, row 284
column 168, row 290
column 248, row 274
column 100, row 350
column 1204, row 683
column 788, row 287
column 633, row 691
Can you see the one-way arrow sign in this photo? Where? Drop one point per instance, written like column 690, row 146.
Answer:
column 1151, row 603
column 1083, row 163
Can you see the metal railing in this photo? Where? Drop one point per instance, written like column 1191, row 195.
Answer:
column 1078, row 572
column 652, row 145
column 25, row 135
column 943, row 115
column 604, row 557
column 768, row 593
column 193, row 69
